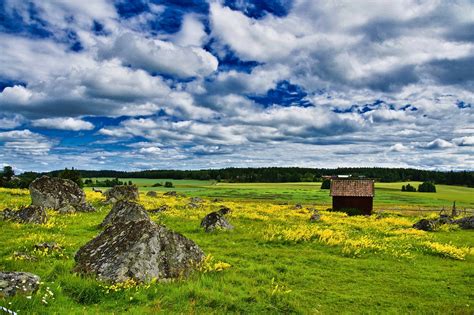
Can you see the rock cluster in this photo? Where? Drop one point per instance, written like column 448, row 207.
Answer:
column 171, row 193
column 159, row 209
column 465, row 223
column 124, row 211
column 59, row 194
column 13, row 283
column 122, row 192
column 29, row 214
column 138, row 250
column 216, row 221
column 433, row 224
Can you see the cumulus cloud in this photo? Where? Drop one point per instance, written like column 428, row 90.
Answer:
column 438, row 144
column 63, row 124
column 24, row 142
column 398, row 147
column 156, row 56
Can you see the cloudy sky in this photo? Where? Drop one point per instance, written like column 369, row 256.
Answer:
column 205, row 84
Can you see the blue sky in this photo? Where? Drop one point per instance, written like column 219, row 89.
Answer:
column 207, row 84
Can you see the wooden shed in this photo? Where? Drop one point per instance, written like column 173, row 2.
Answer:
column 353, row 194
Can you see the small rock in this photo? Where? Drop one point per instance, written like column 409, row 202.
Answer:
column 13, row 283
column 29, row 214
column 298, row 206
column 316, row 216
column 216, row 221
column 138, row 250
column 196, row 200
column 426, row 225
column 124, row 211
column 152, row 193
column 51, row 246
column 171, row 194
column 193, row 205
column 121, row 192
column 159, row 209
column 57, row 193
column 465, row 223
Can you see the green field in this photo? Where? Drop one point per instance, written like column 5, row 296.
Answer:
column 280, row 263
column 387, row 195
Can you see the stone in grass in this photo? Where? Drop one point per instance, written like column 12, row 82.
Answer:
column 196, row 200
column 298, row 206
column 160, row 209
column 29, row 214
column 50, row 246
column 316, row 216
column 465, row 223
column 152, row 193
column 171, row 194
column 138, row 250
column 124, row 211
column 216, row 221
column 14, row 283
column 121, row 192
column 426, row 225
column 193, row 205
column 59, row 194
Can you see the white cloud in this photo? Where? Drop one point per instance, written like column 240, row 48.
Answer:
column 156, row 56
column 464, row 141
column 192, row 32
column 399, row 147
column 24, row 142
column 63, row 124
column 439, row 144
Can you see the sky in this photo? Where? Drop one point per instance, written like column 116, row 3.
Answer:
column 195, row 84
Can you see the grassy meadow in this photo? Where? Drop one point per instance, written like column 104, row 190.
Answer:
column 274, row 261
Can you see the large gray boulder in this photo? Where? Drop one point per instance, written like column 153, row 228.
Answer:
column 426, row 225
column 152, row 193
column 59, row 194
column 216, row 221
column 29, row 214
column 465, row 223
column 124, row 211
column 13, row 283
column 122, row 192
column 138, row 250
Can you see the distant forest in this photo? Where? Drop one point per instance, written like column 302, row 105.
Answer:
column 292, row 174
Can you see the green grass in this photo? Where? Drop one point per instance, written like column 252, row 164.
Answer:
column 315, row 278
column 387, row 195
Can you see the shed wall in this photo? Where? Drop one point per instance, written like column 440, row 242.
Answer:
column 364, row 204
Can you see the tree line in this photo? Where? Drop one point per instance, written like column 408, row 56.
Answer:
column 265, row 174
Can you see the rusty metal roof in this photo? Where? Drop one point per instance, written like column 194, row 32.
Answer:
column 352, row 188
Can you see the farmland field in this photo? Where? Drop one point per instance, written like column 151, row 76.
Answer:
column 276, row 260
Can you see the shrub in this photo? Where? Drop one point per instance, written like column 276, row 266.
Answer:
column 168, row 184
column 157, row 185
column 427, row 187
column 326, row 184
column 73, row 175
column 408, row 187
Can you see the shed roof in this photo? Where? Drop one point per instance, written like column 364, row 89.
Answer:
column 352, row 188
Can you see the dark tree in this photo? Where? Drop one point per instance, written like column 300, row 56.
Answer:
column 326, row 184
column 404, row 188
column 168, row 184
column 73, row 175
column 427, row 187
column 8, row 173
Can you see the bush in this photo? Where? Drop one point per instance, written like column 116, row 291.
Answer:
column 157, row 185
column 409, row 188
column 427, row 187
column 73, row 175
column 168, row 184
column 326, row 184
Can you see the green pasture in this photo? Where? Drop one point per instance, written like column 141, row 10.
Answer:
column 387, row 195
column 265, row 278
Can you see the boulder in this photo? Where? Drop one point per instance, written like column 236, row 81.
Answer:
column 193, row 205
column 59, row 194
column 124, row 211
column 49, row 246
column 29, row 214
column 122, row 192
column 216, row 221
column 316, row 216
column 298, row 206
column 138, row 250
column 171, row 194
column 426, row 225
column 465, row 223
column 152, row 193
column 13, row 283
